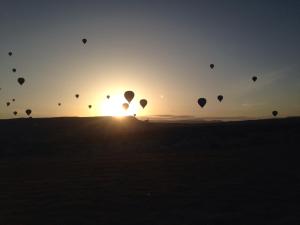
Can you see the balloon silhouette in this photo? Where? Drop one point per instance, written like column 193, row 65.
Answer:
column 15, row 113
column 134, row 115
column 84, row 40
column 275, row 113
column 21, row 80
column 125, row 106
column 59, row 104
column 14, row 70
column 107, row 96
column 77, row 95
column 13, row 99
column 211, row 66
column 28, row 112
column 10, row 53
column 90, row 106
column 7, row 104
column 202, row 102
column 254, row 78
column 220, row 98
column 143, row 103
column 129, row 95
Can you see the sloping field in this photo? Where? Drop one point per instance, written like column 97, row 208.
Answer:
column 107, row 171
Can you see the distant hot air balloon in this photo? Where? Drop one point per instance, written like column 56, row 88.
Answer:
column 143, row 103
column 220, row 98
column 13, row 99
column 14, row 70
column 90, row 106
column 125, row 106
column 107, row 96
column 10, row 53
column 84, row 40
column 28, row 112
column 77, row 95
column 134, row 115
column 7, row 104
column 15, row 113
column 202, row 102
column 211, row 66
column 254, row 78
column 21, row 80
column 275, row 113
column 129, row 95
column 59, row 104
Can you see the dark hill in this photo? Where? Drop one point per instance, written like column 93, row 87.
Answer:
column 111, row 171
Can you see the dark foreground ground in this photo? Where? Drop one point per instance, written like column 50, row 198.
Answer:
column 105, row 171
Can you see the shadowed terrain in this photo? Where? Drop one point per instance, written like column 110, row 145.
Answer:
column 112, row 171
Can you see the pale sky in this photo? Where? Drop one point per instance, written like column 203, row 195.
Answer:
column 161, row 50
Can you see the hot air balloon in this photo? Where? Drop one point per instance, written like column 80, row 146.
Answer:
column 77, row 95
column 7, row 104
column 13, row 99
column 15, row 113
column 10, row 53
column 202, row 102
column 84, row 40
column 275, row 113
column 59, row 104
column 134, row 115
column 90, row 106
column 28, row 112
column 211, row 66
column 129, row 95
column 143, row 103
column 14, row 70
column 21, row 80
column 125, row 106
column 107, row 96
column 220, row 98
column 254, row 78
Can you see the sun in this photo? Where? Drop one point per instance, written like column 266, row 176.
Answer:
column 113, row 107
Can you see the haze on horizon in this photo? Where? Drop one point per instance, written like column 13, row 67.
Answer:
column 159, row 49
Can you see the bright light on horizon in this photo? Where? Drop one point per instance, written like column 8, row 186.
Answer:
column 113, row 107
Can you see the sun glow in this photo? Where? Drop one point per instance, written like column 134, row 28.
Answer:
column 113, row 107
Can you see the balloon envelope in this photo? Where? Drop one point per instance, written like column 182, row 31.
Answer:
column 84, row 40
column 59, row 104
column 202, row 102
column 275, row 113
column 129, row 95
column 7, row 103
column 220, row 98
column 90, row 106
column 143, row 102
column 15, row 113
column 21, row 80
column 107, row 96
column 10, row 53
column 254, row 78
column 28, row 111
column 125, row 106
column 14, row 70
column 77, row 95
column 211, row 66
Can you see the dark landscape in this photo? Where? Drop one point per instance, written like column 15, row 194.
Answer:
column 125, row 171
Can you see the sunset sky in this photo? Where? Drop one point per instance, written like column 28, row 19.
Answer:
column 161, row 50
